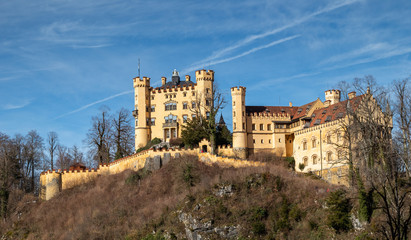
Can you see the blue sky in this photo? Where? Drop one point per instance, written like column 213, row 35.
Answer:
column 60, row 61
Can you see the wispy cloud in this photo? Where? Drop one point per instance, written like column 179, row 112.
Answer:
column 94, row 103
column 294, row 23
column 11, row 106
column 215, row 62
column 272, row 82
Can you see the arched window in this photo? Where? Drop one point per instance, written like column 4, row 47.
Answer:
column 305, row 160
column 314, row 157
column 304, row 144
column 328, row 139
column 329, row 156
column 313, row 143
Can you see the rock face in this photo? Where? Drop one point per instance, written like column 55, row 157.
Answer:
column 223, row 190
column 156, row 162
column 199, row 229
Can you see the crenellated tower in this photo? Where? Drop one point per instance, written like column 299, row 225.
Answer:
column 239, row 122
column 141, row 112
column 205, row 80
column 333, row 96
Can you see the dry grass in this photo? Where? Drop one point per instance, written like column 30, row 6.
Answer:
column 110, row 208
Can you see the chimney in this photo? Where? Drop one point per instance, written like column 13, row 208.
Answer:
column 163, row 80
column 291, row 104
column 351, row 95
column 327, row 103
column 187, row 78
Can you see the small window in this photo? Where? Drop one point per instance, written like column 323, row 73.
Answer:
column 168, row 134
column 304, row 145
column 193, row 104
column 166, row 96
column 207, row 90
column 153, row 122
column 136, row 122
column 262, row 140
column 153, row 108
column 243, row 126
column 184, row 118
column 269, row 127
column 314, row 159
column 233, row 103
column 305, row 160
column 253, row 140
column 184, row 94
column 253, row 127
column 234, row 114
column 328, row 119
column 261, row 127
column 152, row 97
column 193, row 116
column 235, row 126
column 208, row 115
column 329, row 139
column 314, row 143
column 329, row 156
column 194, row 93
column 185, row 105
column 279, row 140
column 207, row 102
column 269, row 140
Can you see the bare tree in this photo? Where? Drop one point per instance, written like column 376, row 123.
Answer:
column 52, row 140
column 76, row 155
column 206, row 109
column 33, row 151
column 64, row 160
column 402, row 109
column 98, row 137
column 123, row 135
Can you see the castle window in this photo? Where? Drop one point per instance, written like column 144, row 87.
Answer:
column 207, row 102
column 152, row 97
column 269, row 127
column 269, row 140
column 168, row 134
column 233, row 103
column 279, row 140
column 194, row 93
column 136, row 122
column 184, row 118
column 305, row 160
column 314, row 143
column 261, row 127
column 234, row 114
column 329, row 139
column 166, row 96
column 243, row 126
column 253, row 140
column 253, row 127
column 329, row 156
column 305, row 145
column 184, row 94
column 153, row 108
column 243, row 114
column 235, row 126
column 208, row 115
column 174, row 134
column 193, row 104
column 207, row 90
column 170, row 106
column 314, row 159
column 170, row 118
column 185, row 105
column 148, row 121
column 193, row 116
column 262, row 140
column 338, row 137
column 153, row 122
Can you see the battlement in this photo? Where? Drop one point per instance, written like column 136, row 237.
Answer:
column 206, row 75
column 238, row 90
column 333, row 96
column 173, row 88
column 141, row 82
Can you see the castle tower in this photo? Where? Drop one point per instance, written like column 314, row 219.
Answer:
column 50, row 183
column 141, row 113
column 205, row 80
column 239, row 122
column 333, row 96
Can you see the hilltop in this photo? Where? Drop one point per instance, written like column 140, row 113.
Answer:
column 184, row 199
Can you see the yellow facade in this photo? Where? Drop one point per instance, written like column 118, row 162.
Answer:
column 160, row 112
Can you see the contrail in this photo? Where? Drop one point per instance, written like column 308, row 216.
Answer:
column 252, row 38
column 215, row 62
column 94, row 103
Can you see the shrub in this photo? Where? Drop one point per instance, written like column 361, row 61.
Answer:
column 339, row 208
column 176, row 142
column 301, row 166
column 153, row 142
column 290, row 162
column 259, row 228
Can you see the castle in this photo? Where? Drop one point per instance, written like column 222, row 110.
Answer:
column 309, row 133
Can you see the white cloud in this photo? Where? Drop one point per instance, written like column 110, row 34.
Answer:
column 11, row 106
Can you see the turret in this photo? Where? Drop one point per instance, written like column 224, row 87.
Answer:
column 205, row 81
column 333, row 96
column 50, row 184
column 142, row 116
column 239, row 122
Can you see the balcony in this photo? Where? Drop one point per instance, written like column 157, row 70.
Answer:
column 170, row 125
column 135, row 113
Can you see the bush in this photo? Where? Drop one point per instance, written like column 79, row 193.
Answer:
column 176, row 142
column 290, row 162
column 259, row 228
column 339, row 208
column 301, row 166
column 153, row 142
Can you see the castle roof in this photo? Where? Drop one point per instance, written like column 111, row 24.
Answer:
column 221, row 122
column 334, row 111
column 303, row 110
column 175, row 81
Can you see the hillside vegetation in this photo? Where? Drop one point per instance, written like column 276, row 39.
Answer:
column 187, row 199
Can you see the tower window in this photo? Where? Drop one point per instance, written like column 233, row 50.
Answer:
column 193, row 104
column 253, row 140
column 207, row 90
column 262, row 140
column 314, row 143
column 253, row 127
column 194, row 93
column 152, row 97
column 184, row 118
column 207, row 102
column 261, row 127
column 184, row 94
column 208, row 115
column 269, row 140
column 269, row 127
column 304, row 145
column 233, row 103
column 234, row 114
column 153, row 108
column 329, row 139
column 235, row 126
column 185, row 105
column 243, row 126
column 153, row 122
